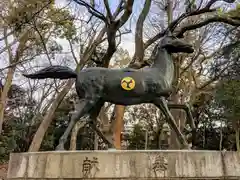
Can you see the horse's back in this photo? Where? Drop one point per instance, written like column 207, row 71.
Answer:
column 103, row 81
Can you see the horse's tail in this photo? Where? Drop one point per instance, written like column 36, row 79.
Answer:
column 53, row 72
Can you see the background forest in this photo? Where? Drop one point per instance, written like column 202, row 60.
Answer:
column 115, row 34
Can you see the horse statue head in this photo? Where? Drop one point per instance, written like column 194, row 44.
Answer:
column 174, row 45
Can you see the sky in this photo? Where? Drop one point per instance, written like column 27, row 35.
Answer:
column 127, row 40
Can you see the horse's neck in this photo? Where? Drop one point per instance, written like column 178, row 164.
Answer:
column 164, row 65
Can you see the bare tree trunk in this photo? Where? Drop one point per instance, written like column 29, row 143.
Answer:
column 95, row 141
column 180, row 118
column 139, row 45
column 10, row 73
column 221, row 137
column 169, row 11
column 38, row 137
column 237, row 135
column 73, row 141
column 162, row 135
column 4, row 93
column 146, row 140
column 107, row 128
column 118, row 126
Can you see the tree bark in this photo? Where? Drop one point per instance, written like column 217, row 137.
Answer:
column 73, row 141
column 39, row 135
column 106, row 127
column 4, row 93
column 23, row 39
column 95, row 141
column 237, row 139
column 118, row 126
column 139, row 45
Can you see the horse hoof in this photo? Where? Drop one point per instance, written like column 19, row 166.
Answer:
column 60, row 147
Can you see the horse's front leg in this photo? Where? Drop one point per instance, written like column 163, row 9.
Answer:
column 187, row 109
column 84, row 107
column 163, row 106
column 190, row 119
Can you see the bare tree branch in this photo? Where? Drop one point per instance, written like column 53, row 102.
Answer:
column 109, row 14
column 139, row 46
column 119, row 9
column 174, row 24
column 72, row 51
column 216, row 77
column 211, row 2
column 112, row 29
column 118, row 35
column 42, row 41
column 91, row 9
column 9, row 45
column 126, row 14
column 208, row 21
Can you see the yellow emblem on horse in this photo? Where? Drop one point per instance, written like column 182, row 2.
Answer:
column 128, row 83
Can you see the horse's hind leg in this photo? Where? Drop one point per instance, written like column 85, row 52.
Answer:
column 163, row 106
column 93, row 116
column 84, row 107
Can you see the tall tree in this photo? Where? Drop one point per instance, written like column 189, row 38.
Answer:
column 20, row 25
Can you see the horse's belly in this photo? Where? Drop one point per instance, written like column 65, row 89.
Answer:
column 126, row 101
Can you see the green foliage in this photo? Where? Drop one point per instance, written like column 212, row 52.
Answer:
column 220, row 11
column 137, row 138
column 228, row 96
column 16, row 136
column 18, row 131
column 21, row 14
column 39, row 22
column 63, row 22
column 208, row 135
column 235, row 12
column 228, row 99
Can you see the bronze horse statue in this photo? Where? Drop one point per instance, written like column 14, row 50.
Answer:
column 127, row 86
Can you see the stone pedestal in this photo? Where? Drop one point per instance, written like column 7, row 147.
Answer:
column 125, row 165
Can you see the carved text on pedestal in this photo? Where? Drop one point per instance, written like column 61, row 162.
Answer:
column 90, row 167
column 160, row 166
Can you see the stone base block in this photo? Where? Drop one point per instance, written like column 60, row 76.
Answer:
column 125, row 165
